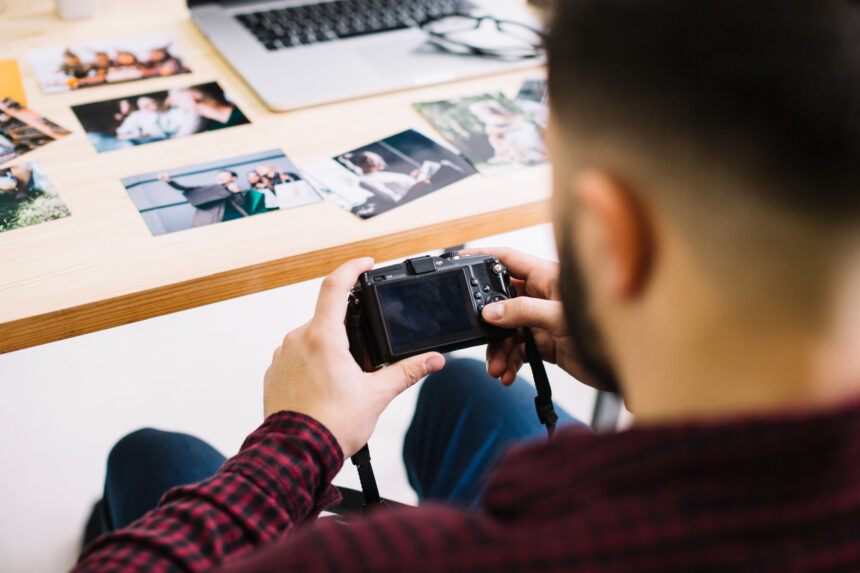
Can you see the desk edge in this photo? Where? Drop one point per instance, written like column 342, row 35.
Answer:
column 136, row 306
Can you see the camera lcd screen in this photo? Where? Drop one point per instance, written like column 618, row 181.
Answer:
column 424, row 313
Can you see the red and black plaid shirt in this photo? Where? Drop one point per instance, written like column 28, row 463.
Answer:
column 778, row 493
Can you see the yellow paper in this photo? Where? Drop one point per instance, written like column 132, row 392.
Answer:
column 10, row 82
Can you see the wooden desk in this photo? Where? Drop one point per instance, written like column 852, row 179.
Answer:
column 102, row 267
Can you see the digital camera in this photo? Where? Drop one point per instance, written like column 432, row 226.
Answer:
column 423, row 304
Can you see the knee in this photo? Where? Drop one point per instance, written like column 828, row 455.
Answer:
column 142, row 438
column 133, row 446
column 456, row 381
column 460, row 384
column 443, row 395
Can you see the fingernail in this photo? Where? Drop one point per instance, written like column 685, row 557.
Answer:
column 493, row 311
column 433, row 364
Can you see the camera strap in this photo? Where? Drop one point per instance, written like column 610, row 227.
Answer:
column 543, row 404
column 361, row 458
column 369, row 489
column 543, row 401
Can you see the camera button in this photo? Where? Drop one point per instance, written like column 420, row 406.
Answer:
column 486, row 288
column 497, row 298
column 497, row 268
column 480, row 307
column 474, row 282
column 422, row 265
column 478, row 295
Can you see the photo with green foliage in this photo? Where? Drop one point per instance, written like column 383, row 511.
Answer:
column 27, row 197
column 491, row 130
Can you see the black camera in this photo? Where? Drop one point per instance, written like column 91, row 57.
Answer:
column 423, row 304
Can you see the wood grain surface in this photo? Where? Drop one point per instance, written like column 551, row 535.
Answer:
column 101, row 267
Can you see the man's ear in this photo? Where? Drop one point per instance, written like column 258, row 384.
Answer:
column 616, row 232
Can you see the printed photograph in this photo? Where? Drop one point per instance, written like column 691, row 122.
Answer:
column 157, row 116
column 382, row 175
column 27, row 197
column 218, row 191
column 11, row 85
column 532, row 98
column 65, row 68
column 491, row 131
column 23, row 130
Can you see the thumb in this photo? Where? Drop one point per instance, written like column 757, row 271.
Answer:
column 401, row 375
column 527, row 311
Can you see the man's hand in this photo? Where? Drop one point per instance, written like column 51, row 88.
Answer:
column 313, row 372
column 164, row 177
column 538, row 305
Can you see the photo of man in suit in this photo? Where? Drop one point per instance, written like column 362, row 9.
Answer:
column 222, row 201
column 220, row 190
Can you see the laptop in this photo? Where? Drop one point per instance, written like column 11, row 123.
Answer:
column 299, row 53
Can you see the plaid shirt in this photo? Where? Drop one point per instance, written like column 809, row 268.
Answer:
column 775, row 493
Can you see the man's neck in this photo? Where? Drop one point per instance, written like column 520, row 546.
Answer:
column 779, row 375
column 707, row 366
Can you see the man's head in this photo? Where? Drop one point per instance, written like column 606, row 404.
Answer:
column 369, row 162
column 157, row 55
column 146, row 103
column 70, row 58
column 225, row 177
column 706, row 181
column 270, row 170
column 125, row 59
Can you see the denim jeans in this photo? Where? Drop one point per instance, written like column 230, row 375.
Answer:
column 463, row 421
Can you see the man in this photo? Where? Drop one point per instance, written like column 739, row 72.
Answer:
column 72, row 65
column 706, row 213
column 222, row 201
column 390, row 185
column 97, row 70
column 146, row 123
column 161, row 62
column 388, row 188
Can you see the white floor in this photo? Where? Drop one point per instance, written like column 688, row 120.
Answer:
column 65, row 404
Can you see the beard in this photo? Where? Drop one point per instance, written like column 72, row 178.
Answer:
column 582, row 328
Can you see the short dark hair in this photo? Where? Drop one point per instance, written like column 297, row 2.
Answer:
column 768, row 86
column 363, row 161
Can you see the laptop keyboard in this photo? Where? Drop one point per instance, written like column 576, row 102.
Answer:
column 340, row 19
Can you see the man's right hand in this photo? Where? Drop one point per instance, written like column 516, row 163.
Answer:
column 538, row 306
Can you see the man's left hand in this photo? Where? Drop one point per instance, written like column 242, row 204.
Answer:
column 313, row 372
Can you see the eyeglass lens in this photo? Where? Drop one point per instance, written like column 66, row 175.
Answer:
column 486, row 34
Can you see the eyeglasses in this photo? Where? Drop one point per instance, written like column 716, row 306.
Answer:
column 485, row 36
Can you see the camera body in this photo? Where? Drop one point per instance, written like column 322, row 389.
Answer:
column 423, row 304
